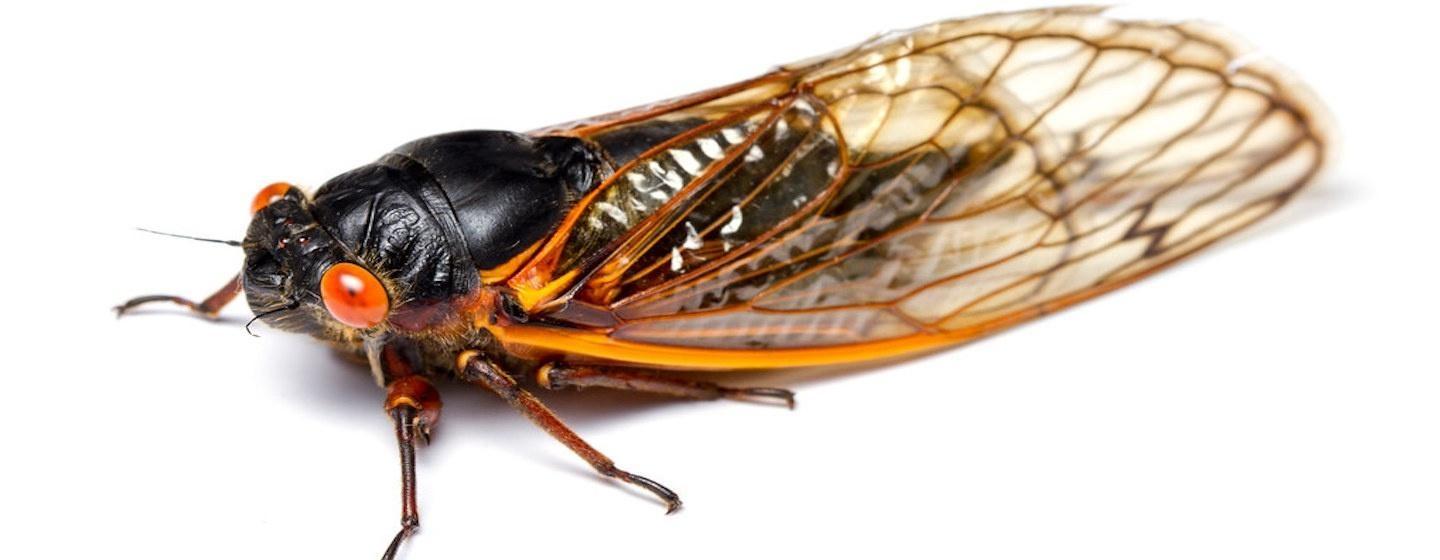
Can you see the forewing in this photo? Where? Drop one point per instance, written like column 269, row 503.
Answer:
column 938, row 182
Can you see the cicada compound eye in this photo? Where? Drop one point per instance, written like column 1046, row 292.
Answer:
column 354, row 296
column 271, row 193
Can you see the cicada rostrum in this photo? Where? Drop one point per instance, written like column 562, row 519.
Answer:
column 921, row 189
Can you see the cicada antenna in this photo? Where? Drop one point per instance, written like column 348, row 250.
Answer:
column 229, row 242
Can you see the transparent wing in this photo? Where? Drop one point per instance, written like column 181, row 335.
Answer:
column 928, row 185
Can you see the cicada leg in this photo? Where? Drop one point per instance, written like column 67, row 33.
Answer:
column 474, row 368
column 209, row 307
column 562, row 376
column 414, row 407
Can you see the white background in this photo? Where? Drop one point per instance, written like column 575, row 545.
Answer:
column 1275, row 397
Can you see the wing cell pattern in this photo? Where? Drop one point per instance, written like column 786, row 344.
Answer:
column 933, row 182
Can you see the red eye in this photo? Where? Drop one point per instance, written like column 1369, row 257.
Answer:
column 354, row 296
column 270, row 193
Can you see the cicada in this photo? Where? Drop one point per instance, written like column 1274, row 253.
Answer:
column 918, row 190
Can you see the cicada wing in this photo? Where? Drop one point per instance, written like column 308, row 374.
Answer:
column 939, row 183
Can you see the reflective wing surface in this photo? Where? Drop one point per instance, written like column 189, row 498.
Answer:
column 922, row 188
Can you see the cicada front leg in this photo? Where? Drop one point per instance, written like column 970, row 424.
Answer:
column 413, row 405
column 472, row 367
column 561, row 376
column 208, row 308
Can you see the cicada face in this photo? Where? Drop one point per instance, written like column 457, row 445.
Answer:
column 287, row 255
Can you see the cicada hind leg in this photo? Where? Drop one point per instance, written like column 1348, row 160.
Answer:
column 208, row 307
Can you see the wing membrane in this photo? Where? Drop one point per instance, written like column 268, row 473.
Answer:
column 931, row 185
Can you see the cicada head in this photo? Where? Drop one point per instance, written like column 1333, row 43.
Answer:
column 299, row 278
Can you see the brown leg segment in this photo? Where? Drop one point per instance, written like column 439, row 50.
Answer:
column 561, row 376
column 210, row 307
column 414, row 407
column 474, row 368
